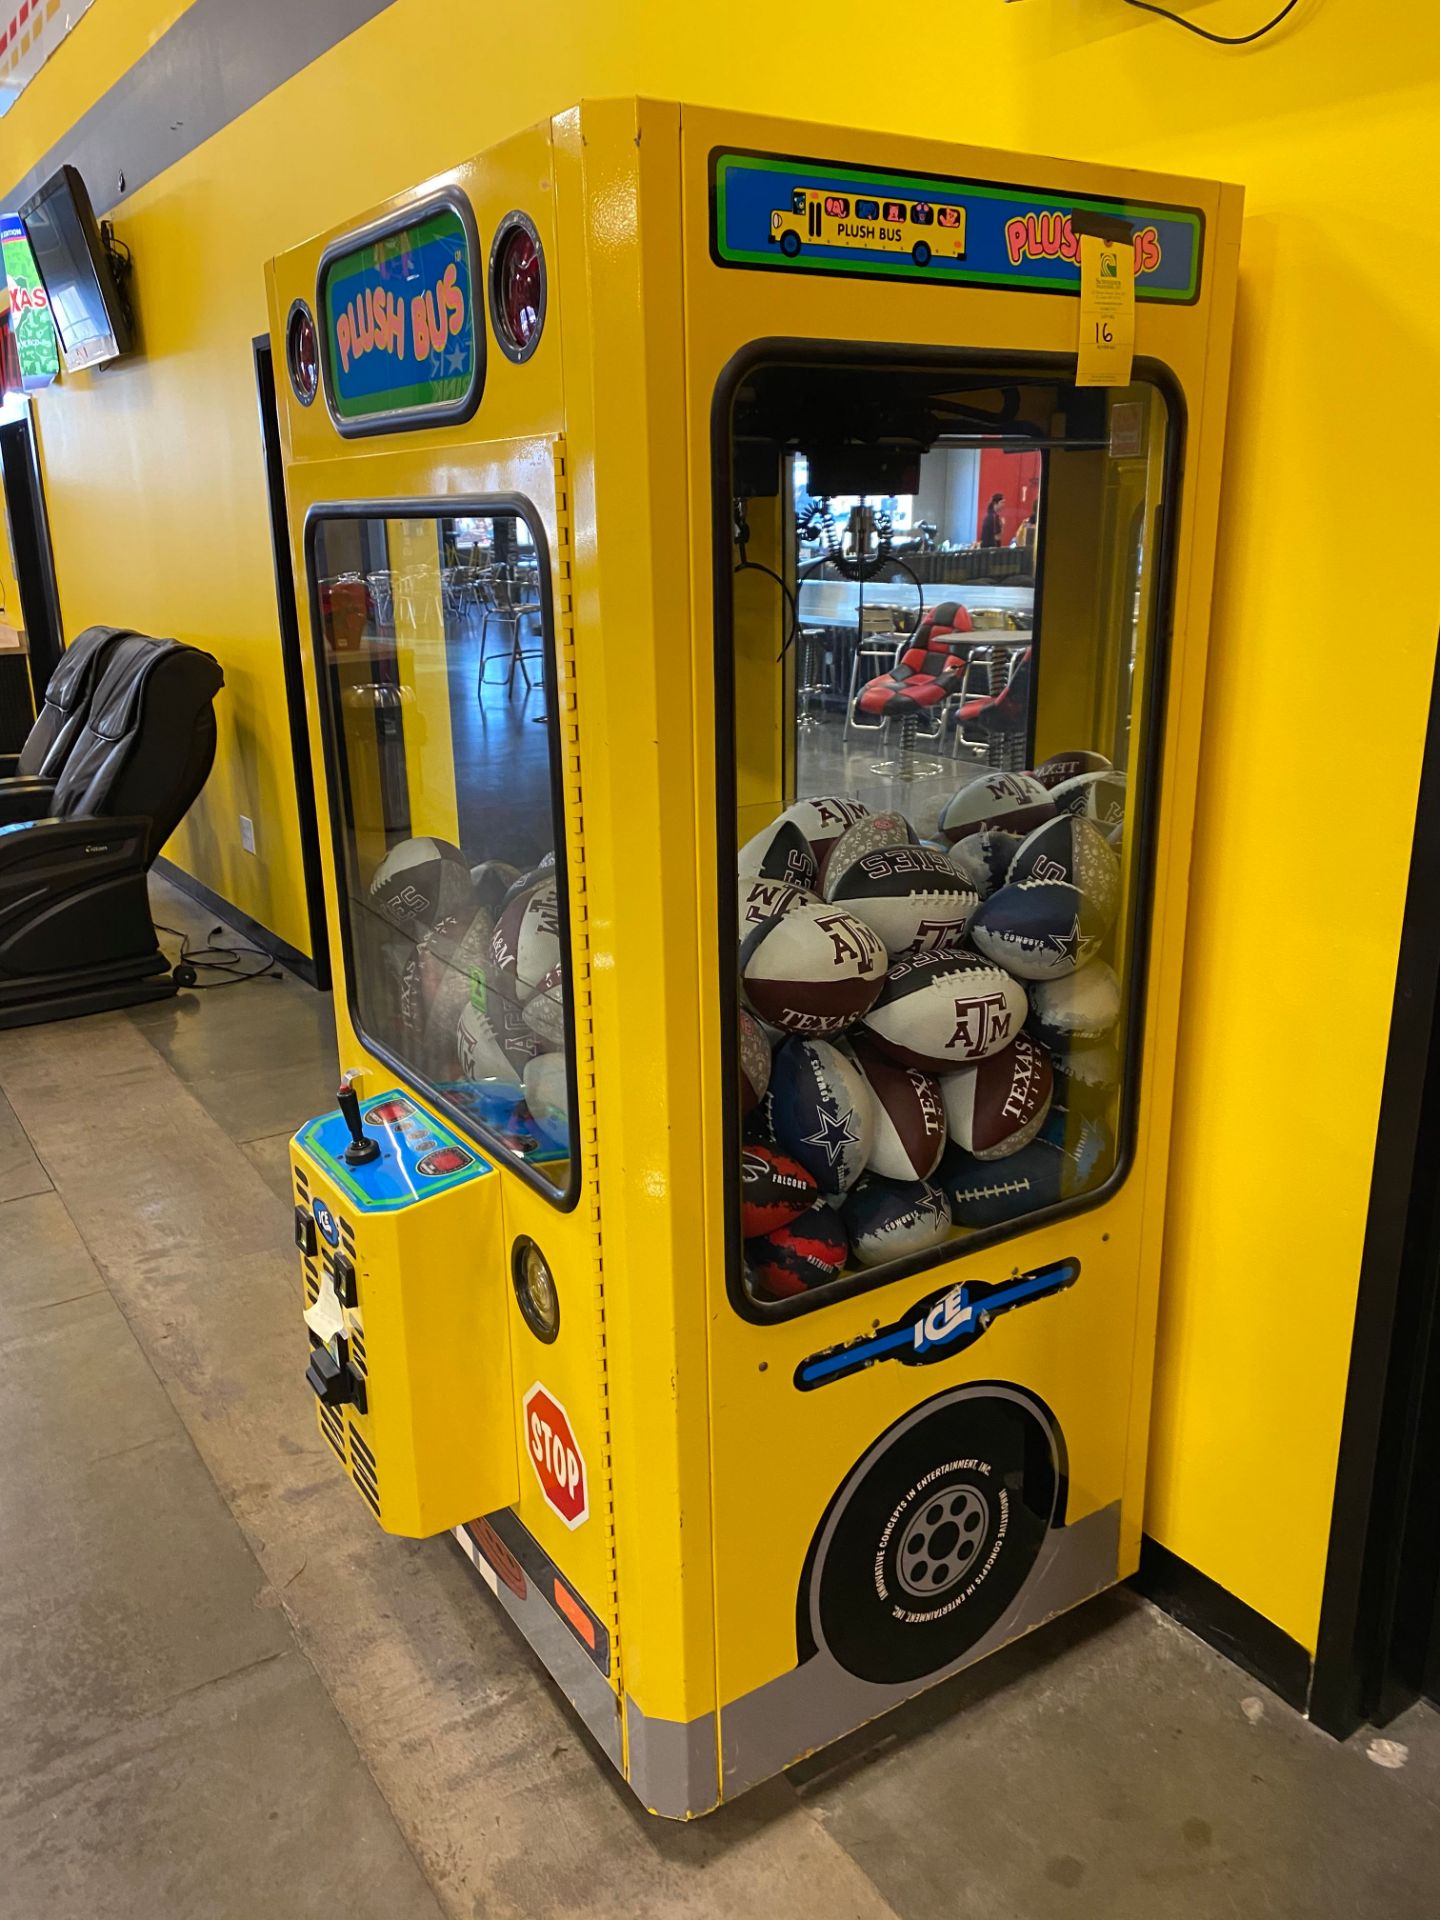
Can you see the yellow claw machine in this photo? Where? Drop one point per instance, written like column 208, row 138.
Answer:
column 756, row 653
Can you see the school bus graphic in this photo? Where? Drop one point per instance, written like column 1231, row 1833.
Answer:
column 819, row 217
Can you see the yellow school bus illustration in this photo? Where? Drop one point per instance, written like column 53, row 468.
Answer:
column 820, row 217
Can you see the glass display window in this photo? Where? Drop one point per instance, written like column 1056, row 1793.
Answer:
column 940, row 657
column 435, row 654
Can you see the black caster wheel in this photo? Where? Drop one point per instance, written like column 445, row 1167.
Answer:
column 184, row 975
column 934, row 1533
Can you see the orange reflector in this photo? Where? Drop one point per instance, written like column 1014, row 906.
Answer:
column 575, row 1614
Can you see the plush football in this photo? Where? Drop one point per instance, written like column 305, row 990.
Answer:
column 450, row 961
column 1068, row 766
column 774, row 1190
column 823, row 821
column 937, row 1011
column 804, row 1254
column 1079, row 1006
column 894, row 1219
column 1071, row 847
column 821, row 1112
column 1067, row 1156
column 909, row 1116
column 1015, row 801
column 1038, row 929
column 421, row 884
column 492, row 880
column 548, row 1098
column 544, row 1012
column 1099, row 796
column 813, row 969
column 911, row 896
column 778, row 852
column 478, row 1049
column 764, row 899
column 526, row 942
column 876, row 830
column 754, row 1062
column 998, row 1106
column 1085, row 1068
column 983, row 859
column 507, row 1020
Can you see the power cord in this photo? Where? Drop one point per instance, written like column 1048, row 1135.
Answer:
column 212, row 959
column 746, row 565
column 1204, row 33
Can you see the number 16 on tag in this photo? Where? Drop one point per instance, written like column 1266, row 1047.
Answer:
column 1107, row 312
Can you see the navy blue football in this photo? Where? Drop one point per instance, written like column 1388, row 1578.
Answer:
column 1038, row 929
column 892, row 1219
column 804, row 1253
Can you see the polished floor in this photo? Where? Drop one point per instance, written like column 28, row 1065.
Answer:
column 224, row 1695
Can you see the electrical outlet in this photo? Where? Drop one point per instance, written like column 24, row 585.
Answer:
column 247, row 833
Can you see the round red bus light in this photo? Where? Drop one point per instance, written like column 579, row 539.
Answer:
column 302, row 353
column 517, row 287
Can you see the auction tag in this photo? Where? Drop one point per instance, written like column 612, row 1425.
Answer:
column 1107, row 312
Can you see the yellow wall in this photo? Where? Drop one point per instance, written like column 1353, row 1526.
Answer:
column 158, row 512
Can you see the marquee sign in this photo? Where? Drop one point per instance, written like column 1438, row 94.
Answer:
column 401, row 343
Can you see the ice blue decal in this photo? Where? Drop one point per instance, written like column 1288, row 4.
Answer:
column 941, row 1324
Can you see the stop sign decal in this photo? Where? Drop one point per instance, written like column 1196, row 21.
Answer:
column 555, row 1455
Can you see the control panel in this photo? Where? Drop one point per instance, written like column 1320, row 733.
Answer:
column 404, row 1276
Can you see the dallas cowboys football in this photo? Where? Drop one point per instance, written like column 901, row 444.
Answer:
column 821, row 1112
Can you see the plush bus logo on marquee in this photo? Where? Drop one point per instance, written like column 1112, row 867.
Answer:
column 808, row 216
column 397, row 307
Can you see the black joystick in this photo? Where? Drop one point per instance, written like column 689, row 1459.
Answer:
column 362, row 1147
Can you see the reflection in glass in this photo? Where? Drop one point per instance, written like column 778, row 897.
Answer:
column 436, row 655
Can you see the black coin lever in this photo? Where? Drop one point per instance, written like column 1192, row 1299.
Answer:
column 362, row 1147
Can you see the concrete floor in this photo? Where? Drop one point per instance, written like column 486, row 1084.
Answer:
column 224, row 1694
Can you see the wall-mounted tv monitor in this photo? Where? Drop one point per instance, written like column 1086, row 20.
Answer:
column 90, row 312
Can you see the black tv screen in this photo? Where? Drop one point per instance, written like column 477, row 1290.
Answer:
column 73, row 265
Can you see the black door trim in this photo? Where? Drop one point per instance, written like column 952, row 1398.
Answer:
column 290, row 656
column 1371, row 1560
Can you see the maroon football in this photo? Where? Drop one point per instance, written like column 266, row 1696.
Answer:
column 1069, row 766
column 909, row 1116
column 805, row 1254
column 774, row 1190
column 999, row 1105
column 812, row 970
column 1015, row 802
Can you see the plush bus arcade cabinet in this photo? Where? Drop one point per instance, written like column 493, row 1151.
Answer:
column 742, row 1223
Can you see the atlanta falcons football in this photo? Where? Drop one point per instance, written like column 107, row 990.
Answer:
column 937, row 1011
column 1015, row 801
column 821, row 1112
column 774, row 1190
column 998, row 1106
column 909, row 1116
column 813, row 969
